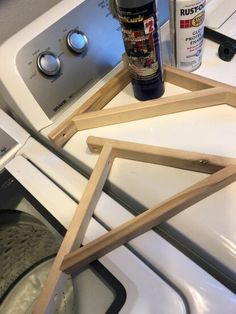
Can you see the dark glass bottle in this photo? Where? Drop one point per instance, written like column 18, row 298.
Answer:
column 141, row 37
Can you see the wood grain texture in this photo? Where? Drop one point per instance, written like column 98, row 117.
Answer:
column 193, row 82
column 55, row 283
column 231, row 98
column 152, row 108
column 200, row 162
column 147, row 220
column 106, row 93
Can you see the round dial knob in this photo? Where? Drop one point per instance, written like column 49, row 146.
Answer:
column 77, row 41
column 48, row 63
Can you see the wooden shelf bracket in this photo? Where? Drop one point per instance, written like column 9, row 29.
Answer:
column 71, row 257
column 204, row 93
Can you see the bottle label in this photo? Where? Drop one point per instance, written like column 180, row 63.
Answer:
column 141, row 39
column 189, row 19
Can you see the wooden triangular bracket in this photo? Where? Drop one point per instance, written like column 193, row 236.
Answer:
column 222, row 172
column 204, row 93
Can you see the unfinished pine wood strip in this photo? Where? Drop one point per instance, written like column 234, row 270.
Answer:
column 63, row 132
column 142, row 110
column 192, row 81
column 175, row 76
column 54, row 285
column 231, row 98
column 170, row 157
column 104, row 95
column 147, row 220
column 107, row 92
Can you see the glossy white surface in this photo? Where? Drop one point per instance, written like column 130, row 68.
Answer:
column 212, row 66
column 202, row 292
column 210, row 223
column 16, row 132
column 146, row 292
column 209, row 130
column 14, row 90
column 220, row 13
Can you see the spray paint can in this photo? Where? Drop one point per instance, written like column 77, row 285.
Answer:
column 186, row 32
column 140, row 30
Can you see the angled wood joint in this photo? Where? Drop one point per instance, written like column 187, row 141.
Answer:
column 71, row 257
column 222, row 172
column 204, row 92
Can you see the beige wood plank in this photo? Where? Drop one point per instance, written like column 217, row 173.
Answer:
column 141, row 110
column 61, row 134
column 231, row 98
column 200, row 162
column 147, row 220
column 106, row 93
column 192, row 81
column 54, row 285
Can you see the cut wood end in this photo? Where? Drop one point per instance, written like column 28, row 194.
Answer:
column 60, row 139
column 62, row 133
column 95, row 144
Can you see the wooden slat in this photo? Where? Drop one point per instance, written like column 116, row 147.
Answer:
column 75, row 234
column 163, row 156
column 231, row 98
column 107, row 92
column 147, row 220
column 192, row 81
column 104, row 95
column 141, row 110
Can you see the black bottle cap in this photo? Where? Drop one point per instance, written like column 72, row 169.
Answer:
column 226, row 50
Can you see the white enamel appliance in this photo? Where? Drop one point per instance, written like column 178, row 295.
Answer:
column 204, row 232
column 37, row 185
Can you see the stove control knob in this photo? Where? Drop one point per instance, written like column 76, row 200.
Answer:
column 77, row 41
column 48, row 63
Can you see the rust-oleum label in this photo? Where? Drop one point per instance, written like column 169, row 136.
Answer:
column 195, row 21
column 190, row 11
column 187, row 25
